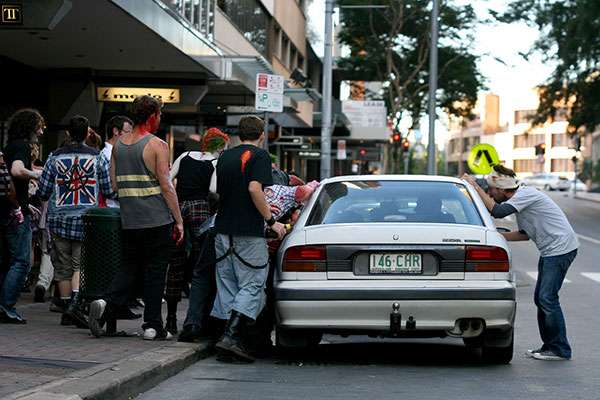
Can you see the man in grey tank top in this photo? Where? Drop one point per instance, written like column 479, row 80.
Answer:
column 139, row 172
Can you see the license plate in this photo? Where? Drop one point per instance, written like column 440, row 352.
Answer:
column 395, row 263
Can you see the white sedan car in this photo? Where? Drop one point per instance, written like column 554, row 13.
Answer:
column 396, row 256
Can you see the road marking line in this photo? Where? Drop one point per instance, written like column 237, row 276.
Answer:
column 589, row 239
column 532, row 387
column 595, row 276
column 534, row 275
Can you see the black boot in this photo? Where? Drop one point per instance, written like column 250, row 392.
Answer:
column 75, row 312
column 230, row 342
column 171, row 324
column 65, row 320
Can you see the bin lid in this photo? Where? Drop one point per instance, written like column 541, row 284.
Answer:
column 103, row 212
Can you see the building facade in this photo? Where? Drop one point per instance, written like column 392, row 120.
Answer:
column 516, row 142
column 201, row 58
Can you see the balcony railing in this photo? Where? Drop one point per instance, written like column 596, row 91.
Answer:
column 199, row 13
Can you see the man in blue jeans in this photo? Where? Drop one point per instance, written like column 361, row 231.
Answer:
column 25, row 128
column 240, row 245
column 541, row 220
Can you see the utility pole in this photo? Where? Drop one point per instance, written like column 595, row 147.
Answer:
column 326, row 107
column 327, row 82
column 433, row 71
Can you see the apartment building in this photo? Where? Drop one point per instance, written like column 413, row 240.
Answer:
column 516, row 141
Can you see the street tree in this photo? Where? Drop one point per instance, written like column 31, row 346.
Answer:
column 392, row 45
column 569, row 40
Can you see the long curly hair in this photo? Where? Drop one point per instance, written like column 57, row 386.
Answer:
column 214, row 140
column 24, row 123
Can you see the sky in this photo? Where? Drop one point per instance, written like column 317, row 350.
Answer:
column 511, row 79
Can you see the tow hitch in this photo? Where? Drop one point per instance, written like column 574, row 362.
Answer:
column 395, row 319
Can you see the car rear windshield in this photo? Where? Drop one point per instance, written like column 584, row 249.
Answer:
column 394, row 201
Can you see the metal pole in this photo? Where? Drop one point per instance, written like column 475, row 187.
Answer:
column 433, row 71
column 326, row 108
column 577, row 147
column 575, row 179
column 266, row 144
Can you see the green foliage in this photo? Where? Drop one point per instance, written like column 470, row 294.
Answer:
column 392, row 45
column 596, row 176
column 568, row 39
column 587, row 170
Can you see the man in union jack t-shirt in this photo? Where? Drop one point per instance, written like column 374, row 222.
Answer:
column 72, row 177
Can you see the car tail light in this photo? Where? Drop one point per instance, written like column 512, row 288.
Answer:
column 486, row 259
column 304, row 259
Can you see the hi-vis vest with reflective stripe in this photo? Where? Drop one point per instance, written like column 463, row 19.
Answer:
column 139, row 192
column 140, row 196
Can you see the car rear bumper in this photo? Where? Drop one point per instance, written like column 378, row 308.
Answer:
column 364, row 309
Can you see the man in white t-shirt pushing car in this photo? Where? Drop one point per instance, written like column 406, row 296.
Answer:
column 541, row 220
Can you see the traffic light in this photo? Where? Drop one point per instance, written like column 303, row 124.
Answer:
column 363, row 152
column 540, row 149
column 405, row 145
column 396, row 137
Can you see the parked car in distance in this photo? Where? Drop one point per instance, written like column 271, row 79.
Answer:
column 396, row 256
column 581, row 187
column 546, row 181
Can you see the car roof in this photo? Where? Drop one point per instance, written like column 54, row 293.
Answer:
column 390, row 177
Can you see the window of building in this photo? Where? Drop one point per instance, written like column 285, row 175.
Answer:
column 285, row 49
column 530, row 140
column 562, row 140
column 300, row 63
column 524, row 116
column 561, row 114
column 293, row 57
column 562, row 165
column 526, row 165
column 277, row 42
column 250, row 18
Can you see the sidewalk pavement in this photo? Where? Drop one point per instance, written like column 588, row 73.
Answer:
column 590, row 196
column 44, row 360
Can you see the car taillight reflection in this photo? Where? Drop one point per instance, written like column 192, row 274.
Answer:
column 304, row 259
column 486, row 259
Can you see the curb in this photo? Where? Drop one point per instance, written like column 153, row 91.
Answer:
column 124, row 379
column 587, row 199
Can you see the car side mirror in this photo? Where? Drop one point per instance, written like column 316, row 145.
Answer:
column 500, row 229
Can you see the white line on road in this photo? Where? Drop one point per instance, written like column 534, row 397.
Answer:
column 589, row 239
column 534, row 275
column 592, row 275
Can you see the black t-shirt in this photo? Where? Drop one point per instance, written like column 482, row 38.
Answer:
column 19, row 149
column 236, row 168
column 193, row 179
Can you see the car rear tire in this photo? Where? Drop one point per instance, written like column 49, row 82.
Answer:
column 498, row 355
column 292, row 338
column 547, row 188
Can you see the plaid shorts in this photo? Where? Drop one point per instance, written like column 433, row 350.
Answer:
column 193, row 213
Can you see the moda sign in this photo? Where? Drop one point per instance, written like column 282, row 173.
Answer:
column 125, row 94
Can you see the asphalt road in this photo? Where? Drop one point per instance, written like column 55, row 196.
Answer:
column 362, row 368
